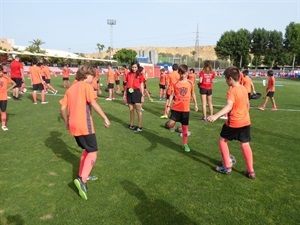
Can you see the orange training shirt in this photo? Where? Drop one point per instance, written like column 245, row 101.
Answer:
column 35, row 73
column 247, row 83
column 4, row 81
column 182, row 93
column 172, row 79
column 77, row 99
column 239, row 114
column 271, row 84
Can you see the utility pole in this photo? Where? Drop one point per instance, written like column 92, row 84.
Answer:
column 197, row 47
column 111, row 22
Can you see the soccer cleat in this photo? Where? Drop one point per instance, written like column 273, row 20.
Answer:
column 35, row 103
column 4, row 128
column 131, row 127
column 224, row 170
column 44, row 103
column 151, row 99
column 55, row 92
column 261, row 108
column 8, row 97
column 82, row 188
column 250, row 175
column 138, row 129
column 108, row 99
column 92, row 178
column 164, row 116
column 188, row 134
column 274, row 109
column 142, row 110
column 204, row 120
column 186, row 148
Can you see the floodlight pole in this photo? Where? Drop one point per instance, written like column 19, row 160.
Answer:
column 111, row 22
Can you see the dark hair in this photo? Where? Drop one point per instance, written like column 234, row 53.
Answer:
column 232, row 72
column 138, row 66
column 246, row 72
column 182, row 69
column 85, row 70
column 125, row 66
column 175, row 66
column 270, row 73
column 162, row 70
column 192, row 69
column 1, row 68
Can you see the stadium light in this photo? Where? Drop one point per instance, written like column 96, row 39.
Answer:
column 111, row 22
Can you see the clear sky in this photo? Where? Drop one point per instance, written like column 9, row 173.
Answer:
column 77, row 26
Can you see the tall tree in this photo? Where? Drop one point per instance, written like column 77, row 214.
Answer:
column 292, row 41
column 274, row 51
column 241, row 48
column 259, row 44
column 224, row 47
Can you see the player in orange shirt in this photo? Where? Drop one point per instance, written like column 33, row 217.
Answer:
column 162, row 84
column 206, row 79
column 95, row 82
column 180, row 98
column 110, row 83
column 173, row 77
column 124, row 72
column 37, row 82
column 248, row 84
column 4, row 81
column 237, row 127
column 66, row 76
column 270, row 91
column 117, row 80
column 192, row 75
column 45, row 71
column 76, row 109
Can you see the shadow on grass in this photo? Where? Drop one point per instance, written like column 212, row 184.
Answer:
column 62, row 150
column 154, row 211
column 155, row 139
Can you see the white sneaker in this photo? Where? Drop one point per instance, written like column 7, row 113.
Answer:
column 189, row 133
column 8, row 97
column 35, row 103
column 108, row 99
column 4, row 128
column 44, row 102
column 224, row 117
column 55, row 92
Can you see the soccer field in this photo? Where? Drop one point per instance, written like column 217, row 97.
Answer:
column 146, row 178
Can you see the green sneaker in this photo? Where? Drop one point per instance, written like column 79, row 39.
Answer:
column 186, row 148
column 92, row 178
column 82, row 188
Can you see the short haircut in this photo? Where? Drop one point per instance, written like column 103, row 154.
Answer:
column 270, row 73
column 182, row 69
column 192, row 70
column 162, row 70
column 85, row 70
column 175, row 66
column 246, row 72
column 232, row 72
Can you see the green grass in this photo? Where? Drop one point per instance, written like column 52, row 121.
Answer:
column 146, row 178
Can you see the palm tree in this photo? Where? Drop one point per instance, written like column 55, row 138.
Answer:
column 37, row 43
column 100, row 47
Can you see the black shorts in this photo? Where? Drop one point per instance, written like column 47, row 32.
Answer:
column 241, row 134
column 204, row 91
column 110, row 86
column 87, row 142
column 18, row 81
column 47, row 81
column 167, row 96
column 270, row 94
column 65, row 78
column 249, row 96
column 117, row 82
column 124, row 83
column 3, row 105
column 162, row 86
column 38, row 87
column 43, row 77
column 145, row 86
column 182, row 117
column 134, row 97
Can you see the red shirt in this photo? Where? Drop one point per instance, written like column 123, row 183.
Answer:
column 16, row 69
column 133, row 81
column 207, row 79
